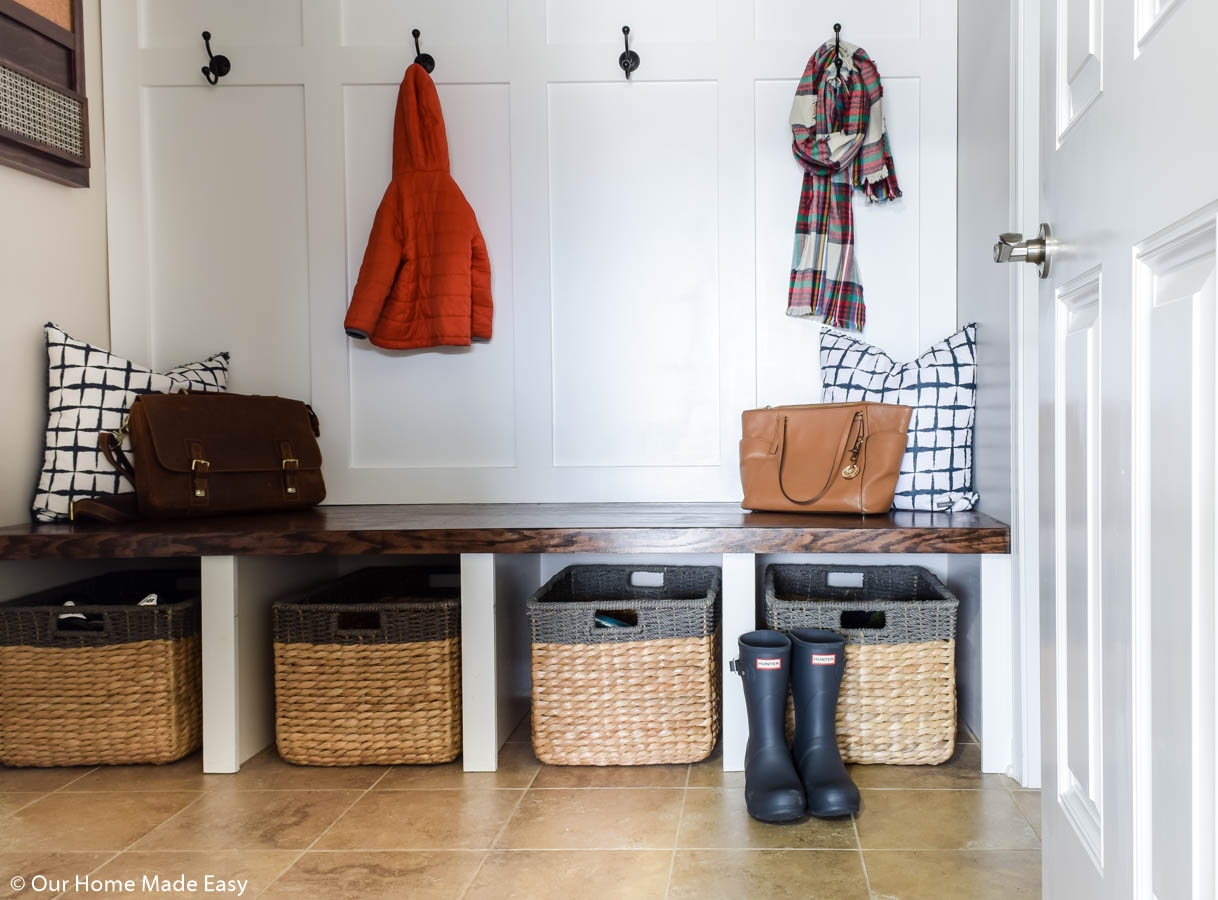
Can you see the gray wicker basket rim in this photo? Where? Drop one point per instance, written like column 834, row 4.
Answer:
column 34, row 620
column 686, row 604
column 396, row 584
column 916, row 606
column 356, row 606
column 405, row 608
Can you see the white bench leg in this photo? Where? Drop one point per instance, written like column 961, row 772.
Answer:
column 739, row 615
column 494, row 648
column 238, row 660
column 479, row 674
column 221, row 675
column 997, row 665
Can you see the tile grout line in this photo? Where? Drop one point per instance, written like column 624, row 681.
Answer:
column 1026, row 817
column 117, row 853
column 498, row 834
column 927, row 850
column 257, row 790
column 709, row 848
column 166, row 820
column 932, row 790
column 67, row 784
column 676, row 838
column 705, row 849
column 113, row 856
column 854, row 823
column 84, row 775
column 1011, row 796
column 37, row 797
column 408, row 790
column 325, row 831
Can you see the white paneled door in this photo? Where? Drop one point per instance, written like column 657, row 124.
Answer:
column 1127, row 400
column 639, row 231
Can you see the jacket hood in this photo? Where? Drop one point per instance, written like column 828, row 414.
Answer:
column 419, row 141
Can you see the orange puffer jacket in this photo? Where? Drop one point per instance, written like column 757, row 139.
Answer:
column 426, row 276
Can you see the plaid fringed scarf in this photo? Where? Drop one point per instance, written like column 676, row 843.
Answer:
column 838, row 125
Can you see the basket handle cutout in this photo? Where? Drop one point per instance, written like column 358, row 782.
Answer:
column 864, row 618
column 616, row 619
column 357, row 622
column 80, row 624
column 645, row 579
column 844, row 579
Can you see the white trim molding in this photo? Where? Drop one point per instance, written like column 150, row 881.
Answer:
column 1025, row 353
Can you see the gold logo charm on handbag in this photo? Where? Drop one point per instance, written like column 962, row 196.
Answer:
column 853, row 469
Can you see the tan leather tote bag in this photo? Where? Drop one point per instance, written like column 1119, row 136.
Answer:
column 823, row 457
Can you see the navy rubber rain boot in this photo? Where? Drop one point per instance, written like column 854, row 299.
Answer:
column 818, row 659
column 772, row 790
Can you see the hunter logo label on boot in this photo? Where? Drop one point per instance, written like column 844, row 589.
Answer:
column 824, row 659
column 769, row 663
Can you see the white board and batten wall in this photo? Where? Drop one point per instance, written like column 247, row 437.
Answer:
column 639, row 232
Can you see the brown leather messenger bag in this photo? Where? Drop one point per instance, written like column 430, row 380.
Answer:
column 212, row 454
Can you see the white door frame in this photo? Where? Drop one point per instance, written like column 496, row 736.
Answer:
column 1025, row 513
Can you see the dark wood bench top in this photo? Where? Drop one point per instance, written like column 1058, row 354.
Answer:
column 514, row 528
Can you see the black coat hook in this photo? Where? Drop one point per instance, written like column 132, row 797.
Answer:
column 629, row 60
column 837, row 46
column 217, row 66
column 426, row 60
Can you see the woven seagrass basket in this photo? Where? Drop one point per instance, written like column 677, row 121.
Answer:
column 898, row 695
column 368, row 670
column 642, row 694
column 122, row 686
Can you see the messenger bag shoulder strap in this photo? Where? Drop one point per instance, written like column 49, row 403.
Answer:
column 110, row 444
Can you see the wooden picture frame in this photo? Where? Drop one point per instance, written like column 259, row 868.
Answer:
column 44, row 113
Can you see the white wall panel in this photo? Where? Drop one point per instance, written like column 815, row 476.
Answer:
column 676, row 21
column 232, row 23
column 778, row 176
column 634, row 250
column 887, row 240
column 640, row 232
column 226, row 231
column 377, row 23
column 785, row 20
column 442, row 407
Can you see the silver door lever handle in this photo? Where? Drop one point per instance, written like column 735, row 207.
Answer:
column 1011, row 247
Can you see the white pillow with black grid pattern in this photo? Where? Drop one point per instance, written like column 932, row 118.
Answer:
column 90, row 390
column 941, row 386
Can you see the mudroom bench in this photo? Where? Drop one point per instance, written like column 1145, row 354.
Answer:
column 246, row 562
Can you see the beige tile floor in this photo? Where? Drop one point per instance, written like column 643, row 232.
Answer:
column 527, row 831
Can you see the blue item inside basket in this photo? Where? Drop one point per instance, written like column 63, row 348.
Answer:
column 604, row 620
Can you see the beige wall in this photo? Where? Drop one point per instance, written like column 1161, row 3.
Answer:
column 52, row 268
column 983, row 212
column 983, row 295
